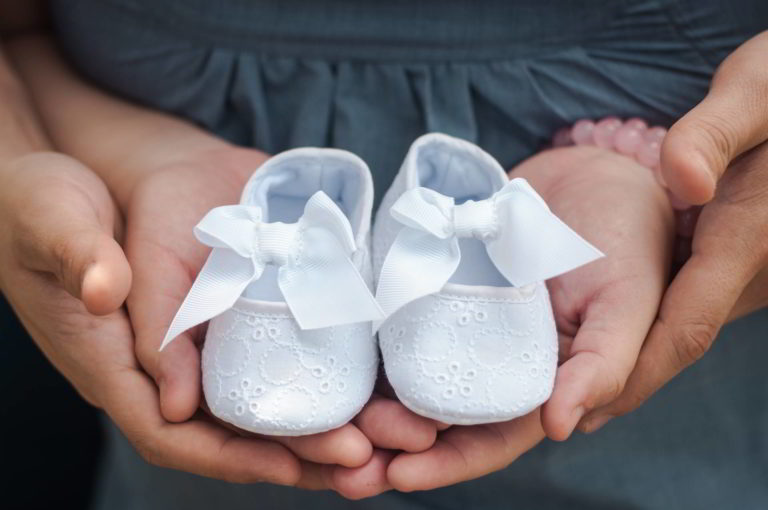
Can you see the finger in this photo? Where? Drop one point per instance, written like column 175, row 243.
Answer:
column 388, row 424
column 603, row 352
column 345, row 446
column 160, row 284
column 64, row 227
column 197, row 446
column 365, row 481
column 352, row 483
column 731, row 119
column 465, row 453
column 754, row 297
column 696, row 305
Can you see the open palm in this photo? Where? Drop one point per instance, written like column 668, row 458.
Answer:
column 165, row 258
column 603, row 310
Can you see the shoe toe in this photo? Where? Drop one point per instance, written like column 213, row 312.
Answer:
column 263, row 374
column 464, row 359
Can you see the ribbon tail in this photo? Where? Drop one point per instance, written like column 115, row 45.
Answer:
column 220, row 283
column 418, row 264
column 536, row 245
column 324, row 288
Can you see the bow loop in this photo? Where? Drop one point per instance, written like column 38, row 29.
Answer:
column 230, row 226
column 320, row 284
column 525, row 241
column 427, row 210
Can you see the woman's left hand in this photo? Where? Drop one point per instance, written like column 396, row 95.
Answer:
column 600, row 336
column 718, row 154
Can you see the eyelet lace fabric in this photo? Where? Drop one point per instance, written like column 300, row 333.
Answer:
column 470, row 359
column 263, row 374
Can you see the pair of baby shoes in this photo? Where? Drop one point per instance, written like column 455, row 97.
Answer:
column 463, row 316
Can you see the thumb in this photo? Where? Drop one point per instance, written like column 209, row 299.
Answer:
column 731, row 119
column 91, row 266
column 65, row 227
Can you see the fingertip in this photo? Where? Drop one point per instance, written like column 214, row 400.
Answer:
column 580, row 385
column 346, row 446
column 365, row 481
column 391, row 425
column 688, row 172
column 353, row 448
column 403, row 471
column 178, row 379
column 559, row 423
column 107, row 281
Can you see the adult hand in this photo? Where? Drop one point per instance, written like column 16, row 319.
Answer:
column 59, row 264
column 719, row 148
column 603, row 310
column 166, row 174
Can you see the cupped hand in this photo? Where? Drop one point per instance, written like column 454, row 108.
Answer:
column 60, row 265
column 165, row 174
column 716, row 154
column 165, row 257
column 603, row 310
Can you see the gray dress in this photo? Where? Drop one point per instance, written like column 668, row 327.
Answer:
column 369, row 76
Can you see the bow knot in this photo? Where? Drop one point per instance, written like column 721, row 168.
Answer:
column 274, row 243
column 320, row 283
column 523, row 239
column 476, row 219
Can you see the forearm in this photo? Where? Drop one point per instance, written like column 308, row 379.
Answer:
column 20, row 129
column 117, row 139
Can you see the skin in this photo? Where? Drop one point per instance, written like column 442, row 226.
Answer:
column 599, row 335
column 149, row 160
column 716, row 155
column 64, row 267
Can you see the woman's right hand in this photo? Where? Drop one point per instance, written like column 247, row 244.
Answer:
column 66, row 277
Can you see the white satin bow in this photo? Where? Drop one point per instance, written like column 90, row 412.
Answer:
column 525, row 241
column 319, row 281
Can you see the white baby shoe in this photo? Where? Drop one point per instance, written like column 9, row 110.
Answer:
column 462, row 253
column 289, row 349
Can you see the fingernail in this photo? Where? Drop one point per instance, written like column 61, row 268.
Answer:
column 594, row 424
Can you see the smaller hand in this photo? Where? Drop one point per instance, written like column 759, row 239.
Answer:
column 603, row 310
column 726, row 277
column 165, row 256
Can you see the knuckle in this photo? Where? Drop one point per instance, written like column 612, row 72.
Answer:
column 721, row 133
column 633, row 400
column 68, row 269
column 693, row 341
